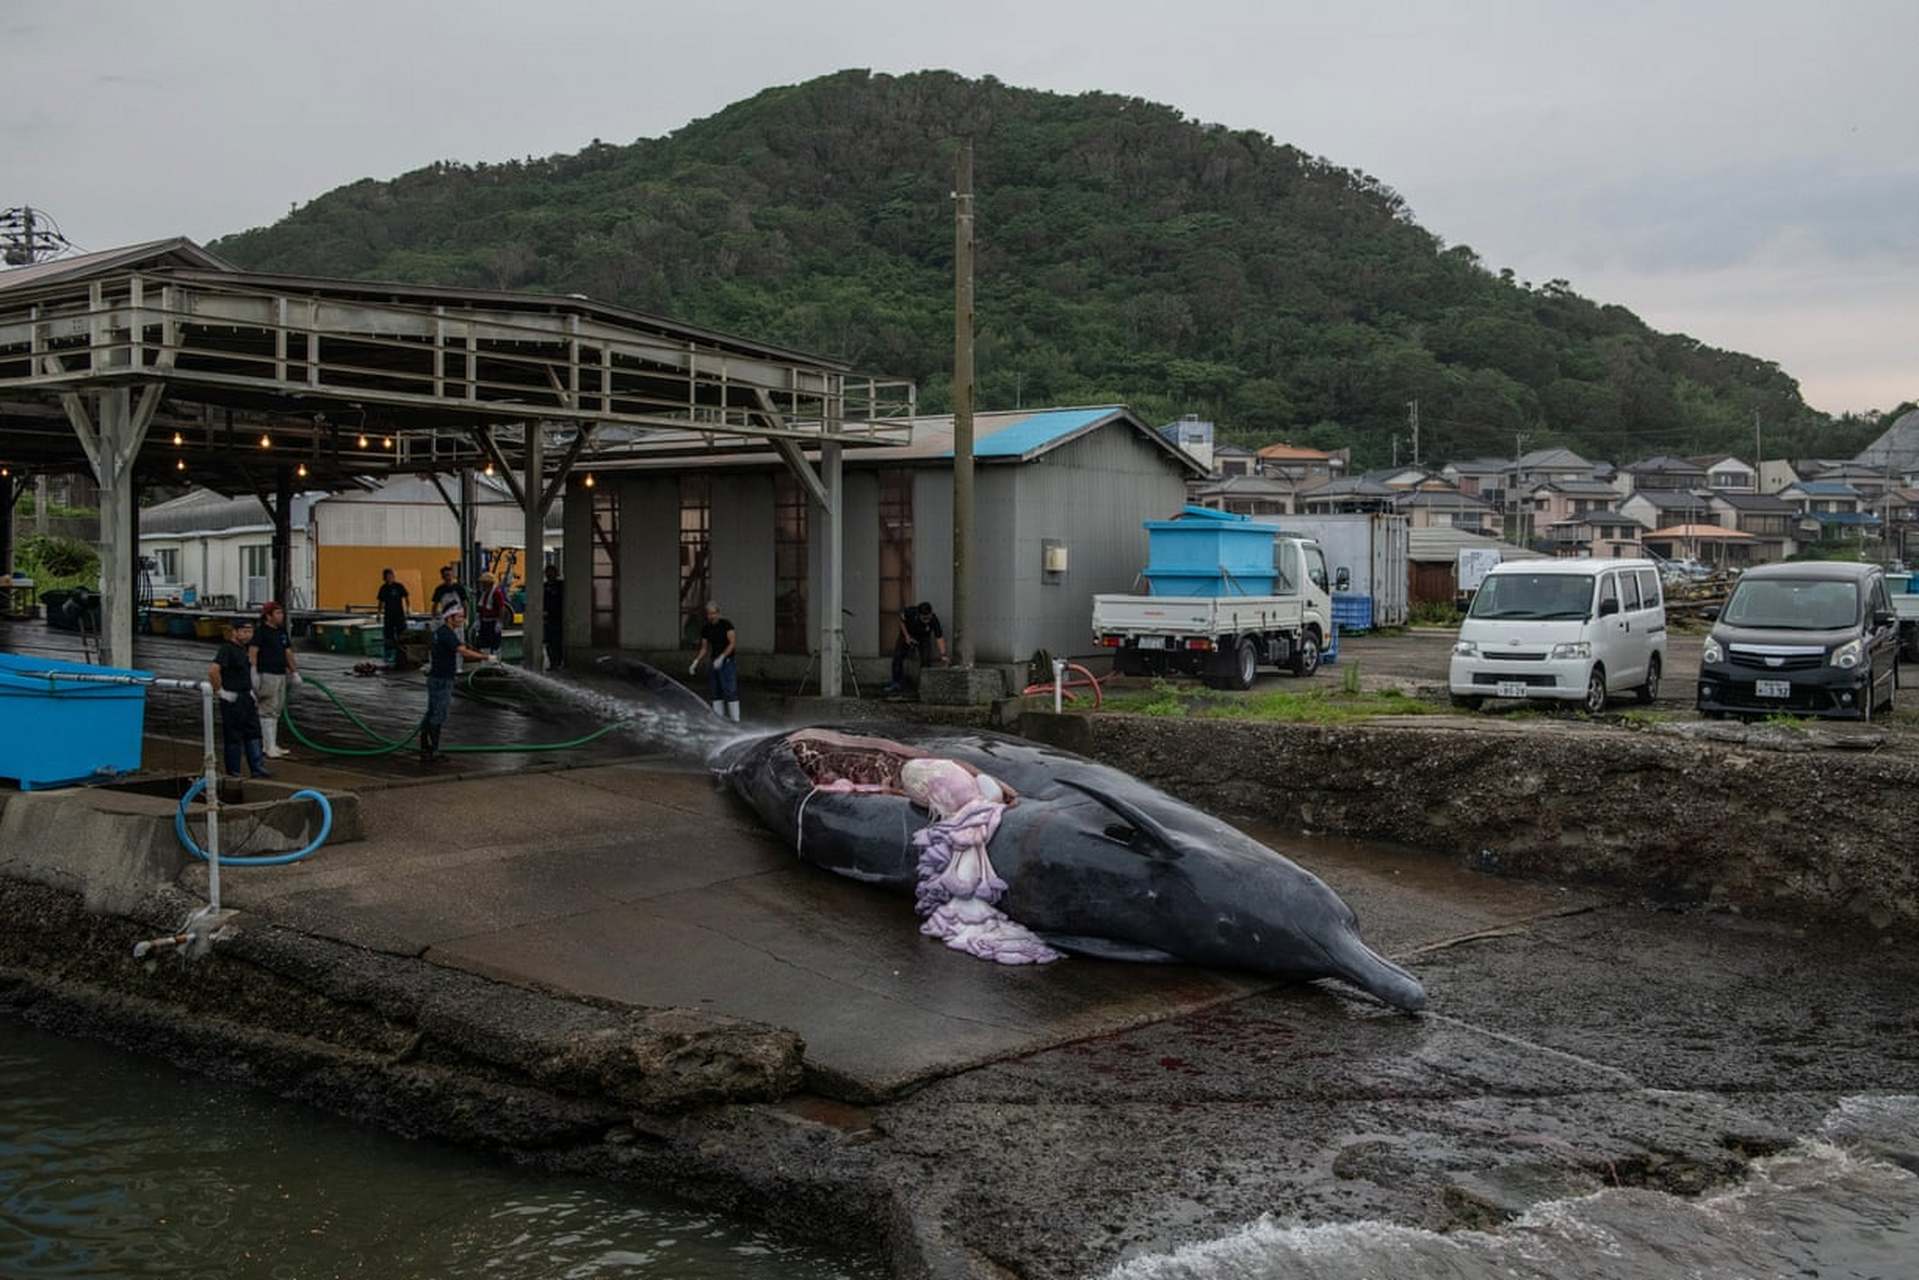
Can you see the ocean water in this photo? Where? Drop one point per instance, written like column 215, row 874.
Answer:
column 1834, row 1208
column 115, row 1166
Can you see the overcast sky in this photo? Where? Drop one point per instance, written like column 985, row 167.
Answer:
column 1746, row 172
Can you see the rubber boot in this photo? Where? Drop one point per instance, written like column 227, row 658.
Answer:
column 719, row 708
column 733, row 712
column 270, row 738
column 426, row 745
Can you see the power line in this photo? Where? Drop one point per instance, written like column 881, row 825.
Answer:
column 29, row 235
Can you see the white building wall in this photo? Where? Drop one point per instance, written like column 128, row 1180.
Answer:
column 212, row 563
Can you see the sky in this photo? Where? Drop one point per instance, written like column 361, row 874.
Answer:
column 1744, row 172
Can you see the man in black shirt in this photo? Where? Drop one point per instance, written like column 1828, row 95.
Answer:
column 392, row 600
column 274, row 668
column 919, row 633
column 449, row 588
column 553, row 617
column 719, row 639
column 231, row 675
column 443, row 668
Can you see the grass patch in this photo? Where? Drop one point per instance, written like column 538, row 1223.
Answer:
column 1638, row 717
column 1280, row 706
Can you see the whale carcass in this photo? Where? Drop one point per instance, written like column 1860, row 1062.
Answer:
column 1031, row 851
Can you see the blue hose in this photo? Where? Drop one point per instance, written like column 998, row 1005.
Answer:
column 258, row 859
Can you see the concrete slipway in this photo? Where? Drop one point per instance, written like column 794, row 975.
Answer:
column 490, row 963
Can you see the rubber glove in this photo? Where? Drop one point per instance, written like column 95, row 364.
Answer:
column 295, row 678
column 693, row 667
column 228, row 695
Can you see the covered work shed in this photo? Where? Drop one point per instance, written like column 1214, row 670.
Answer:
column 1060, row 494
column 159, row 360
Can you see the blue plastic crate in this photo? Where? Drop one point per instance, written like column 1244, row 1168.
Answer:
column 61, row 732
column 1353, row 612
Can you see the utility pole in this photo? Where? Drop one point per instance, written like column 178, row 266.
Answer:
column 1412, row 416
column 1519, row 514
column 28, row 235
column 1758, row 453
column 963, row 408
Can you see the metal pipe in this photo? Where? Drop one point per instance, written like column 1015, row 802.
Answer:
column 1059, row 685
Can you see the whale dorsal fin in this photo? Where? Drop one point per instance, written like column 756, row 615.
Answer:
column 1158, row 842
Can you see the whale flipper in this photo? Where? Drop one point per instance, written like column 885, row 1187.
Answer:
column 1107, row 949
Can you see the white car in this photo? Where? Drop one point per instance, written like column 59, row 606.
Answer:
column 1572, row 630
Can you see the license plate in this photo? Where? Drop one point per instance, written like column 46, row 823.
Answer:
column 1772, row 688
column 1512, row 688
column 1154, row 642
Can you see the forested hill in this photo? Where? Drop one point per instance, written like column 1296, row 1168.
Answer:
column 1126, row 253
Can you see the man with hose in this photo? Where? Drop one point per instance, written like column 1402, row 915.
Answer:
column 442, row 670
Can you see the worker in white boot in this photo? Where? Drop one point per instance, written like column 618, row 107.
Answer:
column 718, row 639
column 274, row 668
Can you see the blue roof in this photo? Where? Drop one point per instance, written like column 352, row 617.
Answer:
column 1845, row 517
column 1031, row 434
column 1826, row 489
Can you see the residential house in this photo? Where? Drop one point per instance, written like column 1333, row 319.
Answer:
column 1773, row 522
column 1194, row 434
column 1661, row 471
column 1604, row 534
column 1870, row 481
column 1776, row 473
column 1708, row 543
column 1663, row 508
column 1544, row 466
column 1727, row 474
column 1437, row 507
column 1480, row 478
column 1234, row 460
column 1246, row 496
column 1836, row 506
column 1563, row 499
column 1299, row 464
column 1896, row 450
column 1346, row 494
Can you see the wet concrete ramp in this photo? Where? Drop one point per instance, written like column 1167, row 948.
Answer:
column 650, row 886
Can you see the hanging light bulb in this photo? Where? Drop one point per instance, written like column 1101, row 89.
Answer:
column 363, row 439
column 266, row 441
column 589, row 480
column 179, row 464
column 489, row 468
column 178, row 439
column 386, row 442
column 302, row 472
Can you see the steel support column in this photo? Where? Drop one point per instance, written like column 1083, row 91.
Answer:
column 833, row 559
column 282, row 533
column 533, row 490
column 10, row 490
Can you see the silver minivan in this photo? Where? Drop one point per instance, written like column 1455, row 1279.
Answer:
column 1570, row 630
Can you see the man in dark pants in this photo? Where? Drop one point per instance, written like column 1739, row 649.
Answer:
column 392, row 599
column 553, row 618
column 442, row 670
column 919, row 633
column 719, row 639
column 231, row 674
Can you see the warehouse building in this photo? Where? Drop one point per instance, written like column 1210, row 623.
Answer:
column 1060, row 497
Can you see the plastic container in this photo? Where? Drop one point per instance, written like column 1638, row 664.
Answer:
column 157, row 623
column 179, row 624
column 189, row 594
column 62, row 732
column 210, row 628
column 1352, row 612
column 1209, row 553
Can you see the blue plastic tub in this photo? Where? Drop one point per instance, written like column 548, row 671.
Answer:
column 55, row 733
column 1210, row 553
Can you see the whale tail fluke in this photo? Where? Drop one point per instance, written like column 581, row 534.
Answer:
column 1360, row 965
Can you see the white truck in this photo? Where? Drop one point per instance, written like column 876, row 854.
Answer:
column 1224, row 640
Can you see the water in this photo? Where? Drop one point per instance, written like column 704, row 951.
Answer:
column 1820, row 1210
column 112, row 1166
column 674, row 720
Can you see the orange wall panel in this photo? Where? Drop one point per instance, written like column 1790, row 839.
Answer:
column 350, row 576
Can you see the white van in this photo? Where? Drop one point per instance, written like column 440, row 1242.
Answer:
column 1576, row 630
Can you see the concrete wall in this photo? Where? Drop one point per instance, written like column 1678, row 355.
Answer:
column 743, row 555
column 649, row 562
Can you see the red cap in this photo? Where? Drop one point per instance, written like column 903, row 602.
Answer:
column 266, row 610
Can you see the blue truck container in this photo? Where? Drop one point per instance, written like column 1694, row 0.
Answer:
column 1210, row 553
column 55, row 733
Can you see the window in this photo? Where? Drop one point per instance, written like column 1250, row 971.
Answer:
column 603, row 602
column 1286, row 564
column 1628, row 589
column 166, row 564
column 1316, row 568
column 789, row 565
column 896, row 552
column 696, row 555
column 1608, row 590
column 256, row 572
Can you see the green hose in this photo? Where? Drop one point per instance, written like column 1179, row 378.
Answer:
column 390, row 745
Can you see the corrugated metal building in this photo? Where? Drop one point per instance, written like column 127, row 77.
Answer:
column 660, row 537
